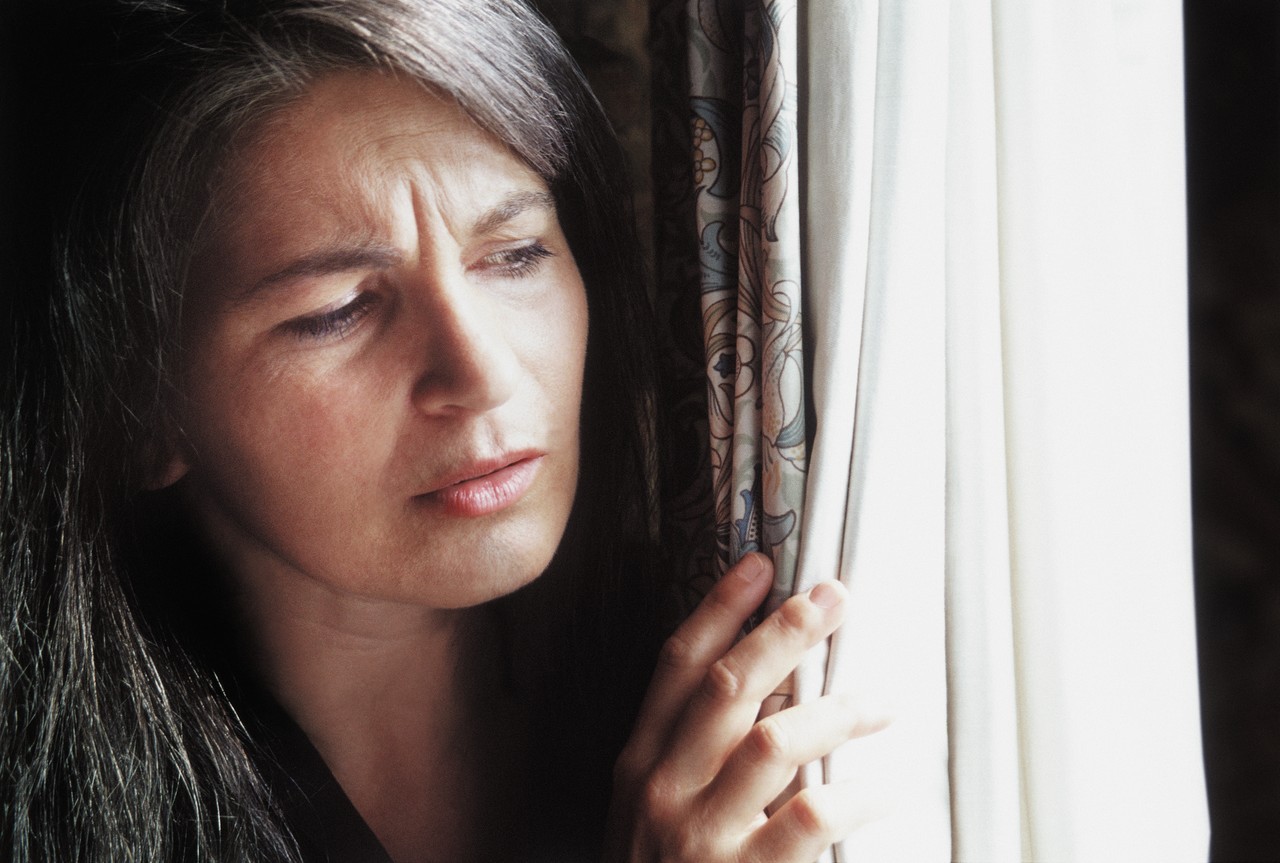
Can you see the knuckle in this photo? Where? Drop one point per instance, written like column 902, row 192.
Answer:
column 810, row 818
column 768, row 740
column 658, row 798
column 678, row 652
column 796, row 614
column 724, row 680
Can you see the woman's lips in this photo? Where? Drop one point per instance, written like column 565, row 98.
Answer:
column 488, row 492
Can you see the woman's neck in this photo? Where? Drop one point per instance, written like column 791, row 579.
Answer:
column 404, row 704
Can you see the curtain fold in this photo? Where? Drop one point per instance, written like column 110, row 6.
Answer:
column 1093, row 284
column 1000, row 182
column 972, row 213
column 982, row 706
column 742, row 67
column 875, row 223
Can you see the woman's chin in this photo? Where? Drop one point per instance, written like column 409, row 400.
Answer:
column 486, row 572
column 485, row 588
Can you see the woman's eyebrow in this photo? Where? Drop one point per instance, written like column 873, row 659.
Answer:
column 327, row 261
column 510, row 207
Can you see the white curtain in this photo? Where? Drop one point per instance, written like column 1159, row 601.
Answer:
column 994, row 313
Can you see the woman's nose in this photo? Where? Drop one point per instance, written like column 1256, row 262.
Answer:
column 471, row 364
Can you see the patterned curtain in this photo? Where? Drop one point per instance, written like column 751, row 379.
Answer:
column 996, row 364
column 740, row 381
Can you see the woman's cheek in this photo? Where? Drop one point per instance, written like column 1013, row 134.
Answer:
column 338, row 418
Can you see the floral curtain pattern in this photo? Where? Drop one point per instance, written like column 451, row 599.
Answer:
column 689, row 522
column 742, row 90
column 992, row 224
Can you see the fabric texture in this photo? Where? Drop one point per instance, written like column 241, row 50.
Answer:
column 745, row 204
column 746, row 175
column 994, row 261
column 991, row 296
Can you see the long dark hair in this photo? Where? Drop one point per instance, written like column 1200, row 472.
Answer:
column 118, row 741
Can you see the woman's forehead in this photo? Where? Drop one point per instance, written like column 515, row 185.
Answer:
column 360, row 126
column 335, row 162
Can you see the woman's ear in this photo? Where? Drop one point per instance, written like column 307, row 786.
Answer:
column 168, row 472
column 167, row 460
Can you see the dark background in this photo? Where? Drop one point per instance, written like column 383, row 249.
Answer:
column 1233, row 173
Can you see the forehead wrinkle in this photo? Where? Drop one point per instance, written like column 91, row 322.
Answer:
column 443, row 184
column 424, row 147
column 467, row 206
column 339, row 225
column 406, row 160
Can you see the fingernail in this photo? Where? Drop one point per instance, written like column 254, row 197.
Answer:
column 826, row 595
column 752, row 568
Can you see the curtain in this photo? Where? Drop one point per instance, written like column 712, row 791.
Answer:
column 954, row 229
column 739, row 85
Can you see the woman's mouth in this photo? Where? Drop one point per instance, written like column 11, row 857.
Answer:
column 486, row 489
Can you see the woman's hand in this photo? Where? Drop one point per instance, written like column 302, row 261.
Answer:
column 701, row 768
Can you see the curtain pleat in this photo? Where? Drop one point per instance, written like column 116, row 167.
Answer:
column 891, row 650
column 687, row 502
column 742, row 69
column 957, row 226
column 1093, row 285
column 993, row 271
column 982, row 708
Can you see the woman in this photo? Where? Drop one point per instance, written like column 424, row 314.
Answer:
column 328, row 520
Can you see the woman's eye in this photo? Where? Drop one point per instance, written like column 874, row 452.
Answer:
column 518, row 261
column 336, row 324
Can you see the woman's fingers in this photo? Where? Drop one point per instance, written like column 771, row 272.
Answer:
column 724, row 706
column 810, row 821
column 702, row 639
column 694, row 781
column 763, row 764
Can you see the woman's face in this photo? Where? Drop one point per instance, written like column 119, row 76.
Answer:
column 384, row 354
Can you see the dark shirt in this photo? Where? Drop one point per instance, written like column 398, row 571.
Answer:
column 329, row 829
column 323, row 820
